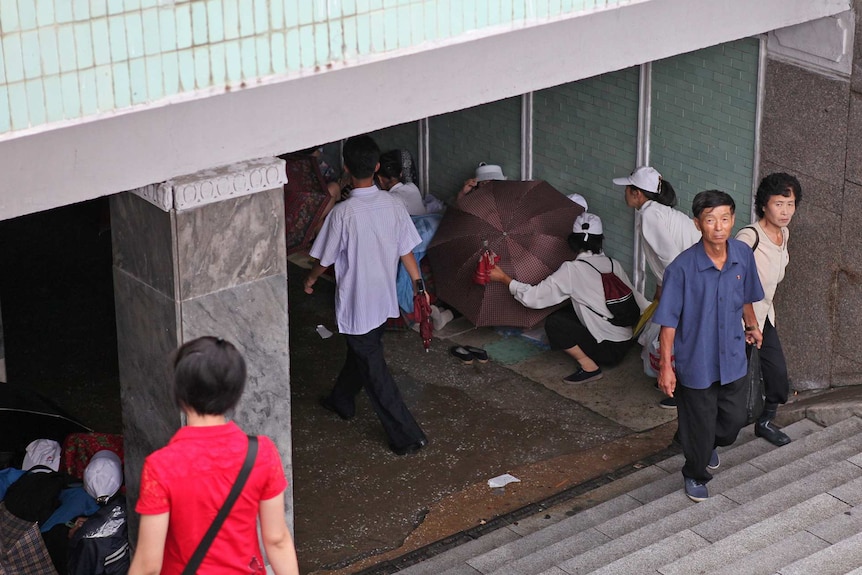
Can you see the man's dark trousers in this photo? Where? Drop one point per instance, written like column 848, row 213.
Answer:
column 708, row 418
column 365, row 367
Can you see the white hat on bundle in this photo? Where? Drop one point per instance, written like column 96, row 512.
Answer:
column 578, row 199
column 489, row 172
column 645, row 178
column 103, row 476
column 42, row 452
column 588, row 224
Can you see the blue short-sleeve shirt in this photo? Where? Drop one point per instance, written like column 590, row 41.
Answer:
column 704, row 304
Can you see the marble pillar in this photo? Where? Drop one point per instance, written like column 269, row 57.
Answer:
column 811, row 128
column 202, row 254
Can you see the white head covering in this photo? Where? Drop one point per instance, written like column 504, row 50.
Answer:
column 588, row 224
column 103, row 476
column 42, row 452
column 579, row 199
column 489, row 172
column 645, row 178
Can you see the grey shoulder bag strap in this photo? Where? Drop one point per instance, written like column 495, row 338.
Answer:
column 204, row 545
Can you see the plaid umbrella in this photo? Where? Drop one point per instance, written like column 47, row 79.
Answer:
column 22, row 549
column 525, row 223
column 305, row 196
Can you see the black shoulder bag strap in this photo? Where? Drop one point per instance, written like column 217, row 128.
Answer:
column 756, row 237
column 204, row 545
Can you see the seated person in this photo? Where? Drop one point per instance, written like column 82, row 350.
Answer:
column 590, row 338
column 484, row 173
column 389, row 178
column 100, row 543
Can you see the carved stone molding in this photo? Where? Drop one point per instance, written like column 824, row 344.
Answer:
column 215, row 184
column 824, row 45
column 157, row 194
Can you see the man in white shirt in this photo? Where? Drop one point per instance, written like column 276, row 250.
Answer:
column 365, row 237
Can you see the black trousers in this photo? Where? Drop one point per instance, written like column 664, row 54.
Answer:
column 708, row 418
column 365, row 368
column 773, row 366
column 566, row 331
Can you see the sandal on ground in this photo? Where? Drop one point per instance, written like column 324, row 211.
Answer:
column 461, row 353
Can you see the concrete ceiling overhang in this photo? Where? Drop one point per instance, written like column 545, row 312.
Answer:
column 60, row 165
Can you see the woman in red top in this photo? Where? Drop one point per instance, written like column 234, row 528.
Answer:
column 184, row 484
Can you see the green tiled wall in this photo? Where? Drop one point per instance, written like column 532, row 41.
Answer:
column 584, row 135
column 402, row 136
column 69, row 59
column 489, row 133
column 703, row 128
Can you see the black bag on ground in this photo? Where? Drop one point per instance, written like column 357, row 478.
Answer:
column 619, row 298
column 36, row 494
column 755, row 389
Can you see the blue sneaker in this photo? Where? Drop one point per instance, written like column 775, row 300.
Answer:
column 695, row 490
column 714, row 461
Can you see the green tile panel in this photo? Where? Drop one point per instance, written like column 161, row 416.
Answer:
column 584, row 135
column 53, row 52
column 703, row 125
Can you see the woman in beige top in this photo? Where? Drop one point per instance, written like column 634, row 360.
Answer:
column 775, row 202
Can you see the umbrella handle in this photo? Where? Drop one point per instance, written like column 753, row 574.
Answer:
column 420, row 285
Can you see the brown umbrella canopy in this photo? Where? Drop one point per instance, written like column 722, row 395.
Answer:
column 525, row 223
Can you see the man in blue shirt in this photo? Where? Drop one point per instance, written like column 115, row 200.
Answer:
column 707, row 293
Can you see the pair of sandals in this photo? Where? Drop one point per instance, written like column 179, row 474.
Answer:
column 468, row 353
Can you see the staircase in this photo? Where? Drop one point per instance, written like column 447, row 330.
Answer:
column 787, row 511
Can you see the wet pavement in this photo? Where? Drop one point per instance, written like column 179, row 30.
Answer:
column 358, row 507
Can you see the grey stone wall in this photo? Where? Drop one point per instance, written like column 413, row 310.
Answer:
column 812, row 128
column 218, row 268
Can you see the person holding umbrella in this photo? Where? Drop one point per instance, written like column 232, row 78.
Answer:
column 584, row 329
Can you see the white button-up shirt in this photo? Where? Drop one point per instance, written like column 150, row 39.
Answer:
column 365, row 237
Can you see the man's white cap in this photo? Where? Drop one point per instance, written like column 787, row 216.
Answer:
column 103, row 476
column 645, row 178
column 489, row 172
column 42, row 452
column 579, row 199
column 588, row 223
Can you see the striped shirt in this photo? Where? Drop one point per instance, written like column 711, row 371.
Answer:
column 365, row 238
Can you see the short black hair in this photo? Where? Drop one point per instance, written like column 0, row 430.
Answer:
column 209, row 375
column 777, row 184
column 361, row 156
column 390, row 164
column 581, row 242
column 711, row 199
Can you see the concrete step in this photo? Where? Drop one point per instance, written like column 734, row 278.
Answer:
column 772, row 511
column 599, row 543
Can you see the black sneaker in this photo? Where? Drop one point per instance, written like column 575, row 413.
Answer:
column 668, row 403
column 582, row 376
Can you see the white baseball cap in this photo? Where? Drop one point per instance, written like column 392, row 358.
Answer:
column 645, row 178
column 489, row 172
column 588, row 224
column 578, row 199
column 103, row 476
column 42, row 452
